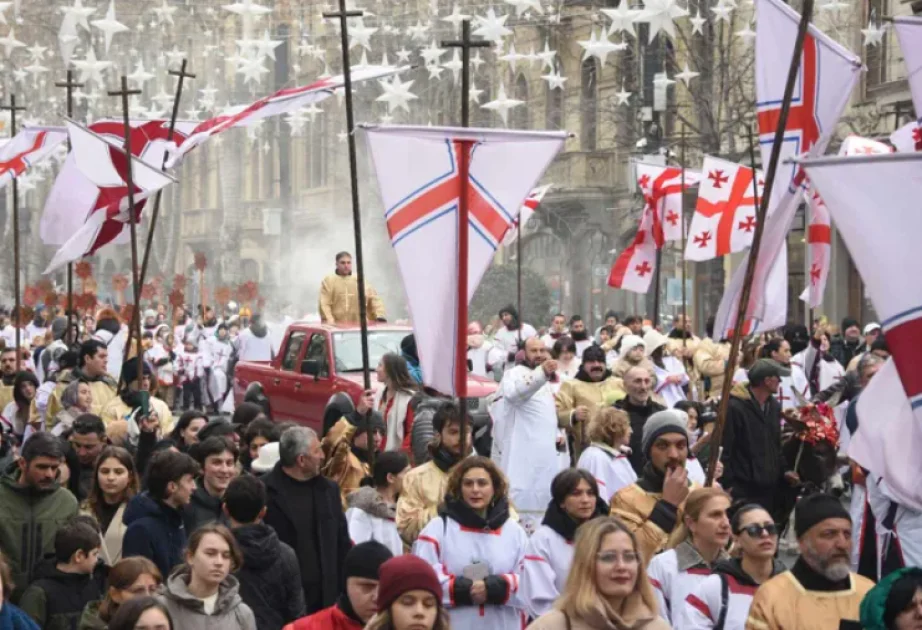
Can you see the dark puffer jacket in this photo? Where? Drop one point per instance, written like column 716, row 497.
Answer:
column 270, row 579
column 752, row 456
column 55, row 600
column 202, row 510
column 155, row 531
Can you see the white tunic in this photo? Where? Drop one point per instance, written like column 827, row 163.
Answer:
column 363, row 526
column 529, row 439
column 484, row 358
column 830, row 371
column 253, row 348
column 218, row 354
column 672, row 392
column 672, row 586
column 582, row 345
column 508, row 340
column 906, row 534
column 612, row 470
column 701, row 609
column 695, row 471
column 548, row 557
column 449, row 548
column 797, row 380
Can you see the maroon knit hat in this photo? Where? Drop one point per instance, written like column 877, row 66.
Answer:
column 402, row 574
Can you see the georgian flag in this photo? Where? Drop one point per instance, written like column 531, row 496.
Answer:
column 635, row 266
column 908, row 138
column 105, row 165
column 419, row 175
column 818, row 101
column 881, row 238
column 27, row 148
column 909, row 31
column 725, row 214
column 525, row 213
column 662, row 192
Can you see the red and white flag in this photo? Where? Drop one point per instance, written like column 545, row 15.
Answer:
column 909, row 31
column 662, row 191
column 525, row 213
column 879, row 237
column 419, row 175
column 725, row 214
column 635, row 266
column 29, row 147
column 817, row 104
column 282, row 102
column 105, row 165
column 908, row 138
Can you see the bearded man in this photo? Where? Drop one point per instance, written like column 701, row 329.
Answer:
column 593, row 388
column 339, row 296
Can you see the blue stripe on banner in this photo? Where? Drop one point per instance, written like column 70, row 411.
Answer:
column 891, row 321
column 477, row 229
column 486, row 193
column 437, row 180
column 422, row 224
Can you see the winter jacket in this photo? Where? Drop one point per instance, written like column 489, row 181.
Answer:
column 12, row 618
column 635, row 615
column 711, row 363
column 270, row 580
column 874, row 604
column 113, row 537
column 582, row 391
column 30, row 519
column 638, row 415
column 103, row 388
column 202, row 510
column 55, row 600
column 370, row 517
column 332, row 618
column 90, row 619
column 752, row 458
column 342, row 465
column 155, row 531
column 188, row 611
column 308, row 516
column 844, row 351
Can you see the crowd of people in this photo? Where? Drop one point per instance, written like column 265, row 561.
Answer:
column 584, row 506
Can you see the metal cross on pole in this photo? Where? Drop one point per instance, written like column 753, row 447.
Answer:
column 124, row 93
column 71, row 337
column 13, row 108
column 464, row 151
column 343, row 16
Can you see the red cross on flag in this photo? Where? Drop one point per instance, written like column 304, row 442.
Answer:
column 725, row 214
column 908, row 138
column 909, row 31
column 662, row 191
column 826, row 78
column 634, row 267
column 422, row 173
column 27, row 148
column 105, row 166
column 525, row 213
column 880, row 238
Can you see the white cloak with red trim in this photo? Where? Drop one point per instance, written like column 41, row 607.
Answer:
column 548, row 557
column 701, row 608
column 671, row 586
column 612, row 470
column 449, row 547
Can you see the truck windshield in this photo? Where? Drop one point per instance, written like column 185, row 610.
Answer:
column 347, row 348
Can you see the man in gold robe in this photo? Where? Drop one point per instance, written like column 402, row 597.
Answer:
column 711, row 362
column 819, row 592
column 594, row 387
column 92, row 368
column 7, row 375
column 339, row 296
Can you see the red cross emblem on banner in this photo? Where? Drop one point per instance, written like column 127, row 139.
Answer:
column 703, row 239
column 658, row 191
column 748, row 225
column 18, row 164
column 815, row 272
column 917, row 137
column 802, row 116
column 643, row 269
column 439, row 197
column 740, row 195
column 717, row 176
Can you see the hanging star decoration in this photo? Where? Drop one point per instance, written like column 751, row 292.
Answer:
column 512, row 57
column 266, row 46
column 455, row 18
column 546, row 57
column 524, row 6
column 78, row 14
column 873, row 34
column 109, row 26
column 661, row 16
column 722, row 12
column 746, row 34
column 397, row 93
column 360, row 35
column 454, row 65
column 622, row 19
column 3, row 7
column 91, row 69
column 491, row 27
column 433, row 54
column 502, row 104
column 165, row 13
column 475, row 93
column 623, row 96
column 600, row 47
column 686, row 75
column 419, row 32
column 554, row 80
column 140, row 76
column 697, row 23
column 10, row 43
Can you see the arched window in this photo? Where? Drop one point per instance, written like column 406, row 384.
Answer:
column 553, row 109
column 519, row 115
column 589, row 105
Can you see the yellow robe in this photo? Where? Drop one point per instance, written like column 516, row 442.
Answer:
column 782, row 603
column 339, row 300
column 423, row 491
column 711, row 361
column 116, row 409
column 633, row 506
column 342, row 466
column 575, row 393
column 103, row 392
column 6, row 395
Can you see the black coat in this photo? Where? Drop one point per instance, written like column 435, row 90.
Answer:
column 752, row 459
column 55, row 600
column 155, row 531
column 203, row 509
column 270, row 580
column 308, row 516
column 638, row 415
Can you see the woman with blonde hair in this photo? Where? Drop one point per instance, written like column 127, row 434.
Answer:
column 606, row 457
column 677, row 572
column 476, row 549
column 129, row 578
column 607, row 588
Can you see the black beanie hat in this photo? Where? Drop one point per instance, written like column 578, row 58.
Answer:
column 130, row 370
column 594, row 353
column 364, row 560
column 816, row 508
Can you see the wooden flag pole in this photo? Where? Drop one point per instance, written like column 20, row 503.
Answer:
column 12, row 108
column 762, row 212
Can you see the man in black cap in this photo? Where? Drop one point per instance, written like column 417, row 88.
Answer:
column 754, row 468
column 593, row 387
column 358, row 601
column 123, row 406
column 820, row 591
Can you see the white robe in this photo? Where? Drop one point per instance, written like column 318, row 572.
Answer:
column 364, row 526
column 394, row 418
column 548, row 557
column 581, row 346
column 253, row 348
column 217, row 355
column 830, row 371
column 906, row 534
column 115, row 344
column 484, row 358
column 508, row 340
column 529, row 438
column 612, row 471
column 797, row 380
column 701, row 608
column 448, row 549
column 672, row 586
column 672, row 392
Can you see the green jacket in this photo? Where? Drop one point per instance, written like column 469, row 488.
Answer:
column 90, row 619
column 874, row 604
column 29, row 519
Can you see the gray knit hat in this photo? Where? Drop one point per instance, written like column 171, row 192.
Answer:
column 661, row 423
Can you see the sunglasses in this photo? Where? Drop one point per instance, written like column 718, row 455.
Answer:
column 755, row 530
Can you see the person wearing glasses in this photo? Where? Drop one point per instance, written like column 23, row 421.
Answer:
column 129, row 578
column 722, row 600
column 607, row 587
column 677, row 572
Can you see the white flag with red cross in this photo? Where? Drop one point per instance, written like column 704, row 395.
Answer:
column 635, row 266
column 105, row 165
column 725, row 213
column 662, row 192
column 908, row 138
column 26, row 149
column 879, row 237
column 527, row 210
column 909, row 31
column 420, row 175
column 826, row 77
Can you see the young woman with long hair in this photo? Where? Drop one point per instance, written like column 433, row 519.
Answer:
column 564, row 352
column 607, row 588
column 16, row 414
column 128, row 579
column 722, row 600
column 606, row 457
column 677, row 572
column 476, row 549
column 409, row 597
column 115, row 482
column 393, row 401
column 574, row 500
column 143, row 613
column 185, row 433
column 203, row 593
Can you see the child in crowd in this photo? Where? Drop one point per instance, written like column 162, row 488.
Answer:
column 191, row 369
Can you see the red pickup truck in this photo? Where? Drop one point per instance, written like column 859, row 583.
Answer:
column 317, row 361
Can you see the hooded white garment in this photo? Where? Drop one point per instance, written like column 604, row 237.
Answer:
column 370, row 517
column 508, row 340
column 545, row 568
column 115, row 344
column 670, row 392
column 612, row 469
column 701, row 608
column 253, row 348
